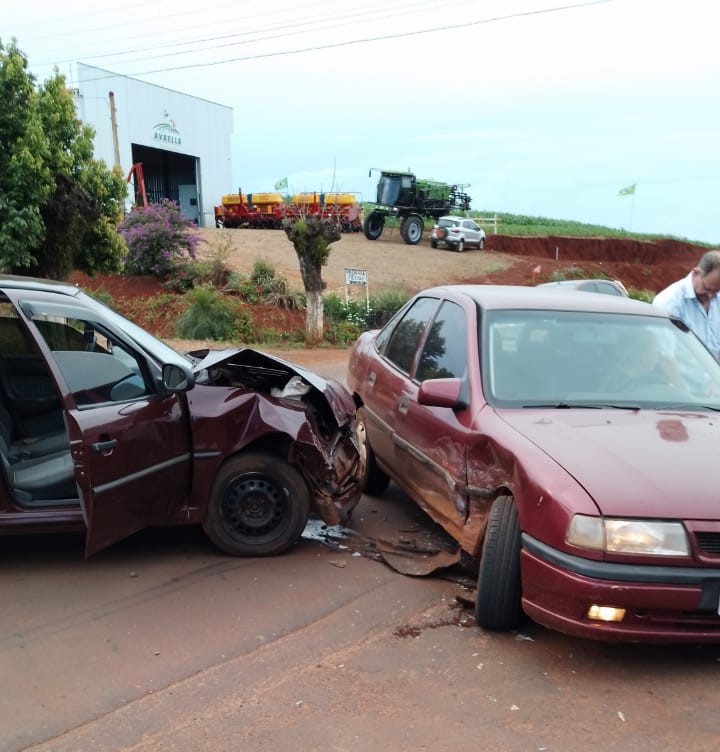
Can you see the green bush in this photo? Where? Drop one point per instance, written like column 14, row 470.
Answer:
column 337, row 309
column 263, row 272
column 645, row 295
column 277, row 337
column 262, row 285
column 342, row 332
column 356, row 312
column 212, row 315
column 103, row 296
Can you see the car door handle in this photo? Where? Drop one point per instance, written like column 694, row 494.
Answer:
column 104, row 447
column 371, row 378
column 403, row 405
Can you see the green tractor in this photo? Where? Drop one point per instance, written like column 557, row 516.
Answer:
column 402, row 195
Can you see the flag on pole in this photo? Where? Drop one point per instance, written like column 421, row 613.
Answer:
column 281, row 185
column 627, row 191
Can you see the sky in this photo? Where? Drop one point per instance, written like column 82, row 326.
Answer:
column 538, row 107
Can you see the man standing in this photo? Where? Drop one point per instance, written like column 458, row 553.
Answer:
column 694, row 299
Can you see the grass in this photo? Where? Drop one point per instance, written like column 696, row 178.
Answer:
column 527, row 225
column 524, row 225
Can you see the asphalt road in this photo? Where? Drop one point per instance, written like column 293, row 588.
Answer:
column 162, row 643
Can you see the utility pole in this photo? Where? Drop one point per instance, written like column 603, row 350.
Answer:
column 113, row 121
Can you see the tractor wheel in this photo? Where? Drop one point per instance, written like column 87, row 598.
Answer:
column 412, row 229
column 374, row 225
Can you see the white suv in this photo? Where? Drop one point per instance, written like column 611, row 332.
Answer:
column 457, row 233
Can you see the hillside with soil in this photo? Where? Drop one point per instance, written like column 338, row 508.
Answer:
column 391, row 264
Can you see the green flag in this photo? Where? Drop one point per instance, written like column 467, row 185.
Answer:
column 628, row 191
column 281, row 185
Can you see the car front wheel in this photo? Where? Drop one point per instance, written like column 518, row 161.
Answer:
column 259, row 506
column 497, row 605
column 481, row 245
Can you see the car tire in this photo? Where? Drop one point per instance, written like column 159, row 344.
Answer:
column 481, row 245
column 373, row 225
column 259, row 506
column 497, row 605
column 460, row 247
column 375, row 481
column 433, row 244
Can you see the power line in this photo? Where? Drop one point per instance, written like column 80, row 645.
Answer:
column 295, row 28
column 366, row 40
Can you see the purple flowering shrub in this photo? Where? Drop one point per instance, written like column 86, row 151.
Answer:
column 158, row 237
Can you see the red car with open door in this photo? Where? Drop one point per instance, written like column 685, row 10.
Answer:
column 105, row 428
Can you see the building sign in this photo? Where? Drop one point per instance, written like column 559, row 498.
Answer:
column 356, row 277
column 166, row 132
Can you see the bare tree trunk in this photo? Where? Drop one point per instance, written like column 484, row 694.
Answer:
column 314, row 318
column 311, row 238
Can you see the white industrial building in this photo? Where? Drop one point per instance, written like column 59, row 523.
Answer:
column 182, row 142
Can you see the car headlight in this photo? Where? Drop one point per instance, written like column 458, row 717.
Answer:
column 628, row 536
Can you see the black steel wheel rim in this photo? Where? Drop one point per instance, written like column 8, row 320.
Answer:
column 253, row 507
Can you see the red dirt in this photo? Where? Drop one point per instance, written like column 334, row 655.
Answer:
column 130, row 296
column 645, row 265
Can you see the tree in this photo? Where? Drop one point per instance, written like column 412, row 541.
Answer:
column 26, row 181
column 311, row 237
column 59, row 207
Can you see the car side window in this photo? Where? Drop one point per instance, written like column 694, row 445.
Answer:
column 96, row 367
column 406, row 336
column 444, row 353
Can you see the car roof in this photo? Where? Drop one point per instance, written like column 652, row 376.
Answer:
column 513, row 297
column 10, row 281
column 580, row 282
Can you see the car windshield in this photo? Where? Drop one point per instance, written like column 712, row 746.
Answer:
column 594, row 359
column 447, row 222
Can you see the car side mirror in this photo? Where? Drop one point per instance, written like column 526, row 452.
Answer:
column 440, row 393
column 177, row 378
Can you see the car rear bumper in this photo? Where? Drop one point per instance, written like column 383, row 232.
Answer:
column 662, row 603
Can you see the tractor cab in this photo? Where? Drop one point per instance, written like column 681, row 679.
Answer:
column 396, row 189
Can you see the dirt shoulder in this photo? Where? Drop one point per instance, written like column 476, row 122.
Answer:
column 391, row 264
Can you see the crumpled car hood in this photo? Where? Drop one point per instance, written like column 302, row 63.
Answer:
column 341, row 404
column 632, row 462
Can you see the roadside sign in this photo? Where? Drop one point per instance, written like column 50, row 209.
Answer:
column 356, row 277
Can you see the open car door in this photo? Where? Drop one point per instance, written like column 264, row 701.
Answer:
column 132, row 466
column 130, row 441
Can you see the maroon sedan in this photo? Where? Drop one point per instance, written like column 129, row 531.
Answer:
column 567, row 441
column 104, row 428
